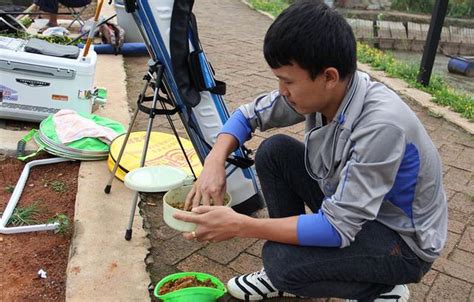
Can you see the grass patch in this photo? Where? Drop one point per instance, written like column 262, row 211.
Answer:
column 442, row 93
column 26, row 22
column 9, row 188
column 273, row 7
column 57, row 186
column 25, row 215
column 64, row 227
column 30, row 215
column 52, row 39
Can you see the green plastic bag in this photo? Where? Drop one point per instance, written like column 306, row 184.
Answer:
column 87, row 148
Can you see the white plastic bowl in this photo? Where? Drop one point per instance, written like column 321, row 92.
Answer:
column 176, row 196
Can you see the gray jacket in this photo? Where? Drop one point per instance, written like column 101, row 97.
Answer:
column 374, row 160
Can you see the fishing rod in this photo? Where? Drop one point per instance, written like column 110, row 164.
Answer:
column 87, row 32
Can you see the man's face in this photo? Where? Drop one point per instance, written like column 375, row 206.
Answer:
column 304, row 94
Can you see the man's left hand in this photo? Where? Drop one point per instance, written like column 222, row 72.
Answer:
column 214, row 223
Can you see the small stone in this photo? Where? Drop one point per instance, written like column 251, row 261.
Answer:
column 149, row 260
column 31, row 185
column 1, row 239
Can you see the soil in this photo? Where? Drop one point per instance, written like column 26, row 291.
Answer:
column 177, row 205
column 180, row 204
column 184, row 282
column 53, row 187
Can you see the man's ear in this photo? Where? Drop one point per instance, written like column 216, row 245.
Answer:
column 331, row 77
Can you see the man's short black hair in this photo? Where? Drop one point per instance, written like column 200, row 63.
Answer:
column 312, row 35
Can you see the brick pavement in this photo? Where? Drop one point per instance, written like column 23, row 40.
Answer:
column 232, row 36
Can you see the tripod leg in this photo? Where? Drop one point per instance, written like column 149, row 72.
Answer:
column 128, row 233
column 122, row 149
column 129, row 130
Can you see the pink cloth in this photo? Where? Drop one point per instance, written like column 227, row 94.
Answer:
column 70, row 127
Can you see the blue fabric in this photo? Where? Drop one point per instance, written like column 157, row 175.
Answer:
column 316, row 230
column 403, row 190
column 237, row 126
column 135, row 48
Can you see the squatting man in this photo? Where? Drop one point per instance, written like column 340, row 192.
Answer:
column 367, row 169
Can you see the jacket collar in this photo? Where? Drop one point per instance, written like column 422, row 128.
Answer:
column 353, row 102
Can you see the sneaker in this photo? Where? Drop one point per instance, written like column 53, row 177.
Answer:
column 253, row 287
column 399, row 293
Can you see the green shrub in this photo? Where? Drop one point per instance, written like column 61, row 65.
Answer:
column 273, row 7
column 456, row 8
column 441, row 92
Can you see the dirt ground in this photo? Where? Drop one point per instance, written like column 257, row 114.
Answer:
column 53, row 188
column 23, row 255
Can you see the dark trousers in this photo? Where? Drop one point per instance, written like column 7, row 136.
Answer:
column 51, row 6
column 374, row 263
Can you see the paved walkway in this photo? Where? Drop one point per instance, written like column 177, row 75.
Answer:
column 232, row 36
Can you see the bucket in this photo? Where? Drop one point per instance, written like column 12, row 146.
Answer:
column 192, row 294
column 462, row 66
column 176, row 196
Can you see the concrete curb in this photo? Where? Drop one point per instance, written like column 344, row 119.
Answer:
column 10, row 138
column 401, row 87
column 102, row 264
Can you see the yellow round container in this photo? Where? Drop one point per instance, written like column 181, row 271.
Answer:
column 163, row 149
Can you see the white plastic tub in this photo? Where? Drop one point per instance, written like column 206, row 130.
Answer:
column 175, row 196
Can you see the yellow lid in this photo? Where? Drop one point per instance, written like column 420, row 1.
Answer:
column 163, row 149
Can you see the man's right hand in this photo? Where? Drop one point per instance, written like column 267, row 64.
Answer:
column 211, row 184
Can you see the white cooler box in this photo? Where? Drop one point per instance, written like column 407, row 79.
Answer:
column 33, row 86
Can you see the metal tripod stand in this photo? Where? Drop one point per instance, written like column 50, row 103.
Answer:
column 154, row 79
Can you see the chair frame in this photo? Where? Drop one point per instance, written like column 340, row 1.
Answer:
column 76, row 13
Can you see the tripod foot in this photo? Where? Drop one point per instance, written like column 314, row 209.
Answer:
column 107, row 189
column 128, row 235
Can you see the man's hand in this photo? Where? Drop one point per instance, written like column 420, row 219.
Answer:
column 214, row 223
column 211, row 184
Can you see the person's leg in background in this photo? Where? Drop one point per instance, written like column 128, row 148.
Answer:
column 50, row 7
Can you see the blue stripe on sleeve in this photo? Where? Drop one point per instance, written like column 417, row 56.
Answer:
column 316, row 230
column 237, row 126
